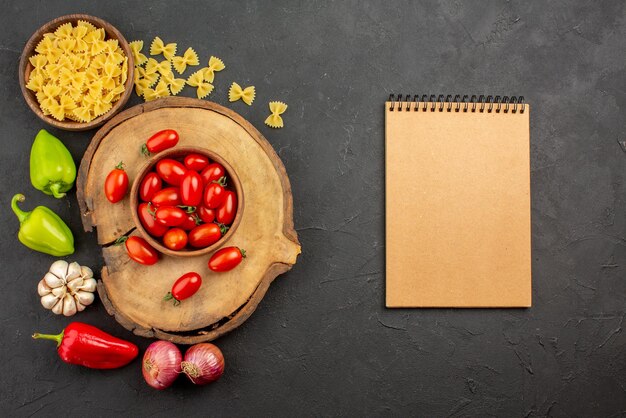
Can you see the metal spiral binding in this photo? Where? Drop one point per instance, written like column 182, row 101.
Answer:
column 457, row 102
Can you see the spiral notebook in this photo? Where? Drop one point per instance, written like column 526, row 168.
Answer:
column 457, row 202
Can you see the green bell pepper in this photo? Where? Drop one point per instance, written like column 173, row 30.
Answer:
column 42, row 230
column 52, row 169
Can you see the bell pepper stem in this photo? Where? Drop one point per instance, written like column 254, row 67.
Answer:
column 54, row 188
column 58, row 337
column 21, row 215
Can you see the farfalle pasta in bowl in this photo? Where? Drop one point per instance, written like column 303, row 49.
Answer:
column 76, row 72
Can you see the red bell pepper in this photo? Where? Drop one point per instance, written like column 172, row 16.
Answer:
column 88, row 346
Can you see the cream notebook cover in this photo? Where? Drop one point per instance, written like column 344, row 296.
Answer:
column 457, row 202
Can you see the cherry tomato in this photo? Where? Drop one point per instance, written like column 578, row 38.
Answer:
column 204, row 235
column 205, row 214
column 145, row 211
column 170, row 196
column 226, row 259
column 150, row 184
column 191, row 188
column 190, row 223
column 212, row 172
column 116, row 184
column 214, row 194
column 196, row 162
column 175, row 239
column 186, row 286
column 226, row 212
column 160, row 141
column 171, row 171
column 139, row 250
column 170, row 215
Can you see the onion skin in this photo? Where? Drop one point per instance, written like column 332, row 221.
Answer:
column 204, row 363
column 161, row 364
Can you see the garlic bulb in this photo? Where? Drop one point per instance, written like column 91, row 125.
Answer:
column 67, row 288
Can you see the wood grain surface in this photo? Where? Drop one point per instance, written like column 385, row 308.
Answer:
column 132, row 292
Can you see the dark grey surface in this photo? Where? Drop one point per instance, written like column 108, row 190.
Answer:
column 321, row 342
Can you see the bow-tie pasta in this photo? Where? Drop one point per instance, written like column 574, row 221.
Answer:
column 246, row 95
column 275, row 120
column 77, row 73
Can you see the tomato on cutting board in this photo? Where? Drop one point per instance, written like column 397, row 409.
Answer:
column 184, row 287
column 116, row 184
column 140, row 251
column 226, row 259
column 160, row 141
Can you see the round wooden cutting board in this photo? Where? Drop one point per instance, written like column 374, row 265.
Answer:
column 132, row 292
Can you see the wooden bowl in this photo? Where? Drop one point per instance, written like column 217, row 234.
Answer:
column 26, row 67
column 176, row 153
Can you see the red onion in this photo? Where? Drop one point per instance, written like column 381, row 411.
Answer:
column 161, row 364
column 204, row 363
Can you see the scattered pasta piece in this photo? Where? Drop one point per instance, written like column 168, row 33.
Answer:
column 77, row 73
column 275, row 120
column 158, row 47
column 215, row 65
column 161, row 90
column 246, row 95
column 196, row 78
column 204, row 89
column 136, row 47
column 165, row 68
column 175, row 84
column 189, row 58
column 152, row 66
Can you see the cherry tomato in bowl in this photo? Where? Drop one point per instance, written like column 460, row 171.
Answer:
column 214, row 193
column 171, row 171
column 212, row 172
column 150, row 185
column 226, row 259
column 145, row 213
column 191, row 222
column 116, row 184
column 170, row 215
column 204, row 235
column 179, row 202
column 170, row 196
column 196, row 162
column 191, row 188
column 184, row 287
column 175, row 239
column 206, row 215
column 228, row 209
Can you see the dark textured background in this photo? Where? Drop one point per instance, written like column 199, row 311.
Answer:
column 321, row 342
